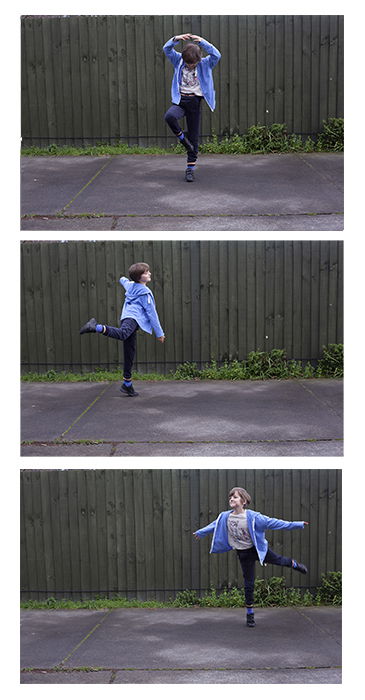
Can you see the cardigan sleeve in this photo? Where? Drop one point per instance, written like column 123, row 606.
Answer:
column 214, row 55
column 172, row 55
column 150, row 309
column 125, row 282
column 264, row 522
column 206, row 530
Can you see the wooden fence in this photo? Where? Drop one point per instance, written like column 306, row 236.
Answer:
column 216, row 300
column 92, row 79
column 129, row 532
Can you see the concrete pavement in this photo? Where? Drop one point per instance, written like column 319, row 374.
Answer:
column 292, row 417
column 167, row 645
column 278, row 192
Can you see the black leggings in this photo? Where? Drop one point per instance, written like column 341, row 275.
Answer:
column 127, row 332
column 248, row 559
column 188, row 107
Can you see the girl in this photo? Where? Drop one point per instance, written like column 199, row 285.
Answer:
column 244, row 530
column 139, row 311
column 192, row 81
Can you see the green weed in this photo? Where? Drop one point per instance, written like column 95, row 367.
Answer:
column 258, row 138
column 262, row 365
column 331, row 362
column 271, row 592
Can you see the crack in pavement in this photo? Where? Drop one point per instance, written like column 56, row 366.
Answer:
column 98, row 215
column 85, row 186
column 323, row 402
column 86, row 637
column 324, row 176
column 315, row 624
column 57, row 442
column 84, row 412
column 57, row 669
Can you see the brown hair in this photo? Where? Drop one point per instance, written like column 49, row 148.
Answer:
column 192, row 53
column 242, row 493
column 136, row 271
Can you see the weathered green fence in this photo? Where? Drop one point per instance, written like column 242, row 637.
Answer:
column 101, row 532
column 89, row 79
column 216, row 300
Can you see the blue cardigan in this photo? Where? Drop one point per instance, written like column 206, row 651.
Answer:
column 204, row 70
column 140, row 305
column 257, row 524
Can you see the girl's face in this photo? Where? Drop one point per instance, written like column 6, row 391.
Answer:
column 146, row 277
column 235, row 501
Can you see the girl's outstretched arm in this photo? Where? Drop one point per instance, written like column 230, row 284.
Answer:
column 204, row 530
column 264, row 522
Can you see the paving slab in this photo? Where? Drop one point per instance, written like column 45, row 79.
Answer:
column 49, row 184
column 50, row 637
column 231, row 192
column 47, row 413
column 183, row 645
column 188, row 414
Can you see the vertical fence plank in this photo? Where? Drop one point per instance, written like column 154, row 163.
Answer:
column 297, row 299
column 234, row 299
column 223, row 274
column 151, row 546
column 120, row 526
column 110, row 556
column 176, row 522
column 288, row 79
column 279, row 319
column 269, row 296
column 72, row 61
column 158, row 531
column 167, row 519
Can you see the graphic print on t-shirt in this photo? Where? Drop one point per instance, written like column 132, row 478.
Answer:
column 189, row 80
column 238, row 534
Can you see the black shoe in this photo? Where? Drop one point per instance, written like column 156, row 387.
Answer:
column 300, row 567
column 250, row 620
column 89, row 327
column 129, row 390
column 189, row 175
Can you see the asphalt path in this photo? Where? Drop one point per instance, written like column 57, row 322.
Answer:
column 278, row 192
column 292, row 417
column 167, row 645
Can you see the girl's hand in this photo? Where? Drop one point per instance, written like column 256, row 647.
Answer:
column 161, row 338
column 305, row 523
column 196, row 537
column 195, row 38
column 184, row 37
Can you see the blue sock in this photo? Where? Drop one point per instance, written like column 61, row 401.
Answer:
column 99, row 328
column 127, row 382
column 295, row 564
column 181, row 137
column 191, row 167
column 249, row 611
